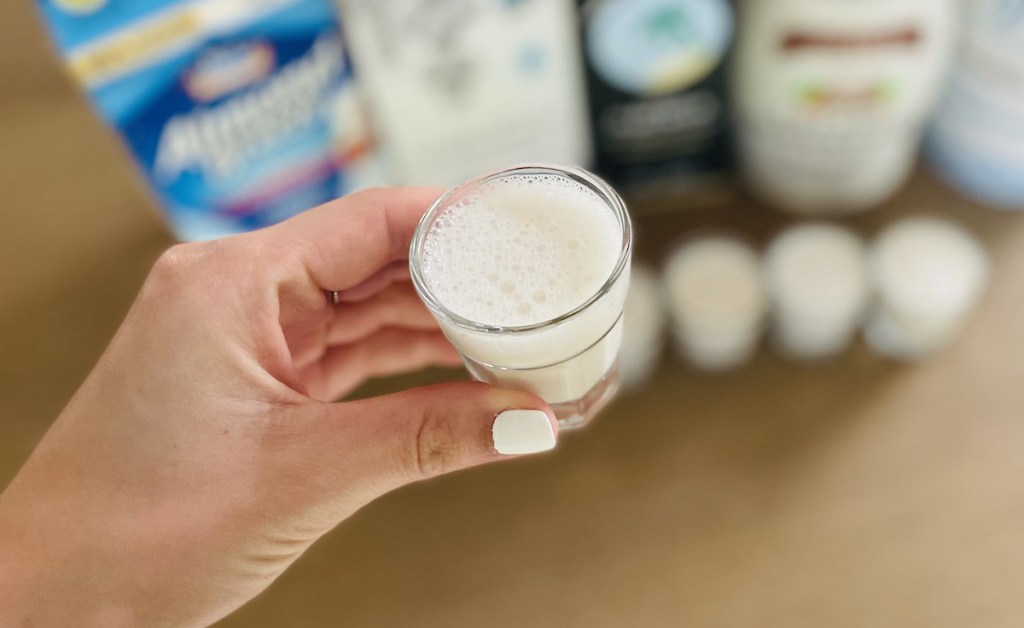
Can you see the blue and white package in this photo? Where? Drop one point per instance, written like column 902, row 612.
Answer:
column 976, row 140
column 240, row 113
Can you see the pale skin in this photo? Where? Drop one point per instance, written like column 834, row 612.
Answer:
column 205, row 453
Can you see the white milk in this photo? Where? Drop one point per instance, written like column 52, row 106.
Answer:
column 817, row 280
column 928, row 274
column 643, row 333
column 716, row 301
column 510, row 257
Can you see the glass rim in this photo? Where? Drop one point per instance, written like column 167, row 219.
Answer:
column 590, row 181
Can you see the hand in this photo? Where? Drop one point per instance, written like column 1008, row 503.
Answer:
column 202, row 455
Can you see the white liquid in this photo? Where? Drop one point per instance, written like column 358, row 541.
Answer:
column 816, row 275
column 643, row 332
column 524, row 250
column 716, row 301
column 928, row 274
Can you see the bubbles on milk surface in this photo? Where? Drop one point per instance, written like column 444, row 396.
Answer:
column 521, row 250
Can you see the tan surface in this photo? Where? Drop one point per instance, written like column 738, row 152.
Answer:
column 853, row 494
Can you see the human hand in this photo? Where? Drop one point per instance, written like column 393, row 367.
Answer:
column 203, row 454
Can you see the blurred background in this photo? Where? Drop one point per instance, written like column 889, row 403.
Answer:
column 822, row 416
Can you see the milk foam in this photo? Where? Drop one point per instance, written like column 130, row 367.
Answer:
column 521, row 250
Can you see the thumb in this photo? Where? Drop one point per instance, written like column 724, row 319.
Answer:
column 425, row 432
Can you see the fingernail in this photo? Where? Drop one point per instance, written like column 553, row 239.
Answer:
column 522, row 432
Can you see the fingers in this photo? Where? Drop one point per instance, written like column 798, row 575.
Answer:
column 387, row 352
column 396, row 306
column 380, row 280
column 340, row 244
column 424, row 432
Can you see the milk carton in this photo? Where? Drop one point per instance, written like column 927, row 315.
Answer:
column 238, row 113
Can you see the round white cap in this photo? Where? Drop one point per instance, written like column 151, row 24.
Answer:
column 928, row 269
column 817, row 272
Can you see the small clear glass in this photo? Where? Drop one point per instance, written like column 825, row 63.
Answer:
column 570, row 361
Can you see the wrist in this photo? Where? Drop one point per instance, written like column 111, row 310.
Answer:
column 44, row 581
column 49, row 574
column 19, row 569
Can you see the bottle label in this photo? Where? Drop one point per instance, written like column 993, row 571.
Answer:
column 656, row 84
column 657, row 47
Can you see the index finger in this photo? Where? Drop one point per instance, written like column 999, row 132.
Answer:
column 341, row 243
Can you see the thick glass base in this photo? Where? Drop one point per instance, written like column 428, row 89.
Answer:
column 574, row 414
column 557, row 382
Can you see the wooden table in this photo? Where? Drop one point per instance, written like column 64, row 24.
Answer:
column 856, row 493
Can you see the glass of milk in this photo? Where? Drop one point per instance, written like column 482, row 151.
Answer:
column 526, row 270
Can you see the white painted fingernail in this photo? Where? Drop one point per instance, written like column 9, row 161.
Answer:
column 522, row 432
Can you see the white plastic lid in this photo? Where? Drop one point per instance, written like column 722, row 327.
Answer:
column 928, row 268
column 817, row 272
column 714, row 283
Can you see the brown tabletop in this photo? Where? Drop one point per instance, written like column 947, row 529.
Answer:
column 854, row 493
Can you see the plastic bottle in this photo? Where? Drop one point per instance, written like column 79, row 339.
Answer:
column 977, row 137
column 831, row 97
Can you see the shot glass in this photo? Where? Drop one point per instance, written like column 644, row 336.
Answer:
column 928, row 275
column 817, row 280
column 570, row 359
column 716, row 301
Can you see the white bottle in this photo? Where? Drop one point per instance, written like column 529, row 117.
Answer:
column 817, row 280
column 977, row 136
column 716, row 301
column 831, row 96
column 460, row 87
column 928, row 275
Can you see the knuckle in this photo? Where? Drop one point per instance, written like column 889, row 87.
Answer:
column 277, row 252
column 176, row 261
column 185, row 269
column 367, row 195
column 436, row 449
